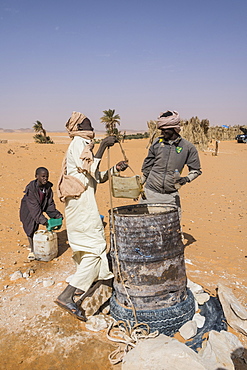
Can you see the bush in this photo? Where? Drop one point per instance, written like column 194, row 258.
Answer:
column 40, row 139
column 136, row 136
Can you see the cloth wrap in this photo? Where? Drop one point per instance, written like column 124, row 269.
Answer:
column 69, row 186
column 172, row 121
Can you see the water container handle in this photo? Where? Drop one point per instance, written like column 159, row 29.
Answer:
column 54, row 224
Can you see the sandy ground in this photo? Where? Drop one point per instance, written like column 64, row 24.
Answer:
column 35, row 333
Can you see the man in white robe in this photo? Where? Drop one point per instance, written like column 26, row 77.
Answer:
column 84, row 226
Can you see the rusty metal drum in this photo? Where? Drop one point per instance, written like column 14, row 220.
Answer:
column 146, row 246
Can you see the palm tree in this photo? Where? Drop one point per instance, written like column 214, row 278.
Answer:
column 41, row 136
column 110, row 119
column 38, row 127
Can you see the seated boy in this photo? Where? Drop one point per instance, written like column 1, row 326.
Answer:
column 38, row 198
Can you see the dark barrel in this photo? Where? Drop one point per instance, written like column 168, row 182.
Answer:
column 150, row 254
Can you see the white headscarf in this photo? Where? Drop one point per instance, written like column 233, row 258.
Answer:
column 172, row 121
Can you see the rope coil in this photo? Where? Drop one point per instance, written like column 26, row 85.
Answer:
column 122, row 332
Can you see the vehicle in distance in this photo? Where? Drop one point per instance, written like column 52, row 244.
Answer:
column 242, row 138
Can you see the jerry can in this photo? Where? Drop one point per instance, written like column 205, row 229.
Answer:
column 45, row 246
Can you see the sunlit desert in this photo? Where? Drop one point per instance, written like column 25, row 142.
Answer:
column 35, row 333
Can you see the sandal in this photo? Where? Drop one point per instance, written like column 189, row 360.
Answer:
column 72, row 309
column 31, row 256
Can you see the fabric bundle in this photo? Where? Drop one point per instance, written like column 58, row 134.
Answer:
column 70, row 186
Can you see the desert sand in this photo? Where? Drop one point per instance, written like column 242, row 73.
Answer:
column 35, row 333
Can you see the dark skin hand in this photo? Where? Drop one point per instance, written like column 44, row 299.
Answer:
column 105, row 143
column 122, row 165
column 183, row 180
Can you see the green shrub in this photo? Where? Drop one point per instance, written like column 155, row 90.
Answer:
column 40, row 139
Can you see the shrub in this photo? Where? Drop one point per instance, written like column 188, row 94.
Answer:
column 40, row 139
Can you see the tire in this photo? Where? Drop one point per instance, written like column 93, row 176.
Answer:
column 166, row 320
column 215, row 320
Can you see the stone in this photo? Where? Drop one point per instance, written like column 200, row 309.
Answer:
column 199, row 319
column 48, row 282
column 196, row 306
column 38, row 281
column 188, row 330
column 195, row 288
column 98, row 322
column 16, row 275
column 162, row 353
column 201, row 298
column 235, row 313
column 219, row 349
column 188, row 261
column 99, row 296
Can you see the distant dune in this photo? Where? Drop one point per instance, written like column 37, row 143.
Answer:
column 127, row 131
column 59, row 137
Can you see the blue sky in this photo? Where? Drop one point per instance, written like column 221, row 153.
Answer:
column 137, row 57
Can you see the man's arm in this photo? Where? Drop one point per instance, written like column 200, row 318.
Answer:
column 193, row 163
column 148, row 164
column 51, row 210
column 105, row 143
column 103, row 175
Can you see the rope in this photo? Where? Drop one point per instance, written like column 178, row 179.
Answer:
column 125, row 157
column 112, row 230
column 127, row 337
column 123, row 152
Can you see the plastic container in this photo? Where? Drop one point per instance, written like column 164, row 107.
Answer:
column 176, row 177
column 54, row 224
column 45, row 245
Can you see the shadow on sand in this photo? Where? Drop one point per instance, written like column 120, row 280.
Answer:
column 189, row 239
column 62, row 242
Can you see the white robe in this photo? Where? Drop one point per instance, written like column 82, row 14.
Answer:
column 84, row 226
